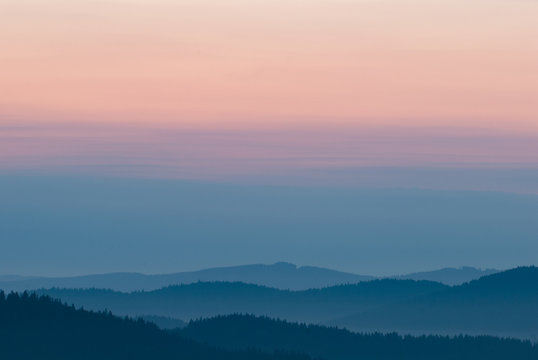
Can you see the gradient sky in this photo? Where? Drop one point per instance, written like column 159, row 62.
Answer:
column 252, row 88
column 265, row 63
column 318, row 95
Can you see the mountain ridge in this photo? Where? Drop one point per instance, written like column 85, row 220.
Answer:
column 203, row 299
column 281, row 275
column 405, row 306
column 503, row 304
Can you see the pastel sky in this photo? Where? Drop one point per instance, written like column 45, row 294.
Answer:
column 241, row 89
column 150, row 135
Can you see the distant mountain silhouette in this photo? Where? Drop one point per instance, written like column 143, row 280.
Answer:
column 246, row 331
column 280, row 275
column 208, row 299
column 34, row 327
column 450, row 276
column 504, row 303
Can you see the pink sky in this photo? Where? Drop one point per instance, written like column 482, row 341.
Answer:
column 206, row 62
column 290, row 83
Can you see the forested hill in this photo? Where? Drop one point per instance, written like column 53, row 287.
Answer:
column 502, row 304
column 33, row 327
column 207, row 299
column 247, row 331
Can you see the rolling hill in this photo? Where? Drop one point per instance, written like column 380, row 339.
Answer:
column 216, row 298
column 246, row 331
column 504, row 304
column 280, row 275
column 33, row 327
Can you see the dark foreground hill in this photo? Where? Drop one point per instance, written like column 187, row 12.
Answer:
column 245, row 331
column 34, row 327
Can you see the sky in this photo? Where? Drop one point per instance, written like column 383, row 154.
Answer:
column 302, row 84
column 75, row 225
column 429, row 95
column 272, row 63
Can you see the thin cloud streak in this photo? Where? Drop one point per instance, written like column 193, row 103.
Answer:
column 347, row 156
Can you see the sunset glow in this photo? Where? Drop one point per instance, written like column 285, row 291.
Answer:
column 410, row 83
column 459, row 63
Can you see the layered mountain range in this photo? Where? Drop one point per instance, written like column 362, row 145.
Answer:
column 504, row 304
column 280, row 275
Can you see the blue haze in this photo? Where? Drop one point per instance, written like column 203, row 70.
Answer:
column 76, row 225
